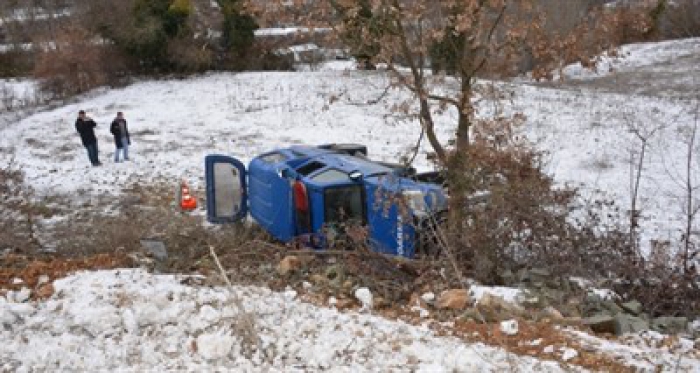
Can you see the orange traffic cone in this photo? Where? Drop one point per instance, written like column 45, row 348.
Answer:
column 187, row 201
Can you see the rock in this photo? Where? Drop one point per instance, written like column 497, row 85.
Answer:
column 670, row 325
column 540, row 272
column 568, row 353
column 45, row 291
column 611, row 307
column 532, row 301
column 365, row 297
column 335, row 272
column 553, row 313
column 318, row 279
column 288, row 265
column 507, row 277
column 380, row 302
column 695, row 328
column 571, row 321
column 632, row 307
column 454, row 299
column 22, row 295
column 509, row 327
column 474, row 315
column 553, row 295
column 155, row 248
column 535, row 276
column 629, row 324
column 344, row 303
column 290, row 293
column 600, row 323
column 592, row 298
column 42, row 280
column 417, row 301
column 494, row 308
column 428, row 297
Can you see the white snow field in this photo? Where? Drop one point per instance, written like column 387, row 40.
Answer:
column 131, row 320
column 112, row 320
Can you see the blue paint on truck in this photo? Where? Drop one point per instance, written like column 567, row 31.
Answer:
column 305, row 191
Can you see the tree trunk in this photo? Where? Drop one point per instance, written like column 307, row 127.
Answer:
column 457, row 167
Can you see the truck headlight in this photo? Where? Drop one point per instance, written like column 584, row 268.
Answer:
column 416, row 201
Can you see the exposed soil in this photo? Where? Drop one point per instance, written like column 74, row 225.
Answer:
column 18, row 271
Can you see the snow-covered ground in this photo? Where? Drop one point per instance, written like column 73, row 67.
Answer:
column 130, row 319
column 105, row 320
column 110, row 320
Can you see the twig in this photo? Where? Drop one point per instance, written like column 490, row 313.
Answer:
column 249, row 324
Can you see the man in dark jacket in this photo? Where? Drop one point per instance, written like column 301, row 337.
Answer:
column 121, row 136
column 86, row 128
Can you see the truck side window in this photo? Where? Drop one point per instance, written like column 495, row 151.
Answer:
column 344, row 203
column 310, row 167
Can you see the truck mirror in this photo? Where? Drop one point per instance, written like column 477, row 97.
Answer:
column 355, row 175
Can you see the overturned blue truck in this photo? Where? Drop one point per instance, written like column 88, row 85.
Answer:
column 307, row 193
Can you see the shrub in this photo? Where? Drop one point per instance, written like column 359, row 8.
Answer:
column 71, row 64
column 681, row 19
column 527, row 220
column 16, row 62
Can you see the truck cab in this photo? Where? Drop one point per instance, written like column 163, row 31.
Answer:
column 311, row 192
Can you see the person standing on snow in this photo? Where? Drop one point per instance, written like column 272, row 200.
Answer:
column 121, row 136
column 86, row 128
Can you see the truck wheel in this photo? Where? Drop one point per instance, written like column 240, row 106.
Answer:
column 350, row 149
column 431, row 231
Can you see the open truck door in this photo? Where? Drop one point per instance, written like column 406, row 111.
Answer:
column 227, row 196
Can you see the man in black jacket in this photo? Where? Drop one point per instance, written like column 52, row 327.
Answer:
column 121, row 136
column 86, row 128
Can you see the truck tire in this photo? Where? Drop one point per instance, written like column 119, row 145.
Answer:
column 350, row 149
column 430, row 231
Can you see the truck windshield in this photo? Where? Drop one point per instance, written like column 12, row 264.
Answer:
column 344, row 204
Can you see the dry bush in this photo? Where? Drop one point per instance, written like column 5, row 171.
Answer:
column 527, row 220
column 149, row 212
column 21, row 212
column 70, row 64
column 187, row 55
column 662, row 274
column 261, row 56
column 655, row 20
column 681, row 20
column 16, row 62
column 632, row 25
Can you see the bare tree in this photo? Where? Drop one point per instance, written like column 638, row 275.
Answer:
column 642, row 132
column 483, row 38
column 691, row 185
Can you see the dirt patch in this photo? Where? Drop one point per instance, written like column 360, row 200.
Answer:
column 18, row 271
